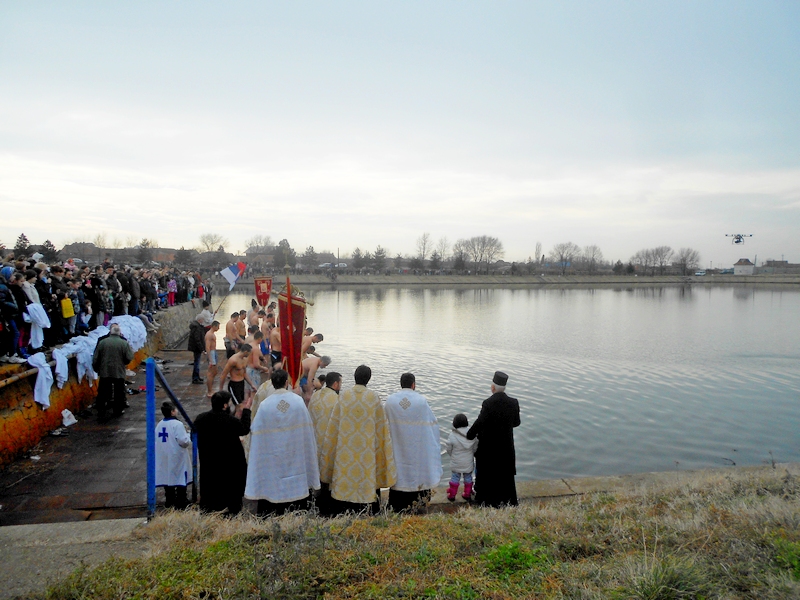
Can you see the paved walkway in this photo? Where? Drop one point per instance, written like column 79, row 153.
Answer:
column 98, row 470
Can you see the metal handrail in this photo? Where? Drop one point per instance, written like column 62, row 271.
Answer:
column 153, row 372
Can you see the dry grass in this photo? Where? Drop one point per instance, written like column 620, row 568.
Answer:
column 724, row 536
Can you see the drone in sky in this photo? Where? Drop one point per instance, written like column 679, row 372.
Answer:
column 738, row 238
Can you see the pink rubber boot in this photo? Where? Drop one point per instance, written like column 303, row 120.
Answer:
column 467, row 495
column 452, row 491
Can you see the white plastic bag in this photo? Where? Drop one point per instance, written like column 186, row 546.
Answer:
column 67, row 418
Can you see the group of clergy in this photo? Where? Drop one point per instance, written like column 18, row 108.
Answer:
column 341, row 449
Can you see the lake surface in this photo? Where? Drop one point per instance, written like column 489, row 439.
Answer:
column 609, row 381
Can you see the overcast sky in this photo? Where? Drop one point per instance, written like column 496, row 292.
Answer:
column 344, row 124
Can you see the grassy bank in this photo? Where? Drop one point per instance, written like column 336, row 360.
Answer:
column 725, row 535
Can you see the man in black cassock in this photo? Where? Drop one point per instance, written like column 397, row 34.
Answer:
column 495, row 459
column 223, row 467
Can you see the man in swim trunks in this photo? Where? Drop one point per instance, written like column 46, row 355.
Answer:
column 255, row 364
column 310, row 366
column 275, row 346
column 241, row 324
column 211, row 352
column 236, row 367
column 307, row 341
column 232, row 339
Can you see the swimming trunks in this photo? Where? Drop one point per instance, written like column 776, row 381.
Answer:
column 236, row 388
column 212, row 358
column 276, row 357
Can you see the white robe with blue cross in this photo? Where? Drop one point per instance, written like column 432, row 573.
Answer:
column 173, row 454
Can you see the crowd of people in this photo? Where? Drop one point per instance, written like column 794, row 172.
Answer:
column 44, row 305
column 289, row 444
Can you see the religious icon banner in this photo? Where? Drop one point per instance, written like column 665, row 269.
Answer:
column 263, row 290
column 292, row 324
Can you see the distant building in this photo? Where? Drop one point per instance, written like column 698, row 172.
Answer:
column 259, row 255
column 743, row 267
column 779, row 267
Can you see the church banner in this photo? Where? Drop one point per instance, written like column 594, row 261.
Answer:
column 292, row 324
column 263, row 290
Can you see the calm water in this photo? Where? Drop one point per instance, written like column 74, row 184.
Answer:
column 609, row 381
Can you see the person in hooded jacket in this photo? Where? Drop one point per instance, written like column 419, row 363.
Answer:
column 462, row 458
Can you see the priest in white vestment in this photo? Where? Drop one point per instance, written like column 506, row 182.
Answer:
column 283, row 464
column 173, row 458
column 415, row 440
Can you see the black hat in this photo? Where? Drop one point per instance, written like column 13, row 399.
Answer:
column 499, row 378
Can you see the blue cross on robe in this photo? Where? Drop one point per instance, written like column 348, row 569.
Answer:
column 163, row 435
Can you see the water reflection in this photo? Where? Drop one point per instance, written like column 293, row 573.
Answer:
column 609, row 380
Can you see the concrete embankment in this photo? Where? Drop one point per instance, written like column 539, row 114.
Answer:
column 23, row 423
column 524, row 281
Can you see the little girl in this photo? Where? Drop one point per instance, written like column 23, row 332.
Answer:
column 462, row 458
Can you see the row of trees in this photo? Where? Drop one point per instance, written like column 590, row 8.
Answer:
column 477, row 252
column 662, row 257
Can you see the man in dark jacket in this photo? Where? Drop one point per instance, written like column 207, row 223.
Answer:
column 495, row 458
column 223, row 467
column 197, row 344
column 111, row 358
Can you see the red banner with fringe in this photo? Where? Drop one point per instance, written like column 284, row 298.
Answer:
column 292, row 325
column 263, row 290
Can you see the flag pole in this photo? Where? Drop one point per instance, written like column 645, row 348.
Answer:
column 230, row 289
column 291, row 322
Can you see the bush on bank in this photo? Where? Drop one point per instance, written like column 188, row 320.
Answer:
column 726, row 536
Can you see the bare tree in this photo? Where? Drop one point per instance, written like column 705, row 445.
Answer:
column 537, row 253
column 100, row 240
column 474, row 249
column 443, row 247
column 644, row 258
column 116, row 243
column 592, row 257
column 259, row 242
column 130, row 241
column 484, row 249
column 662, row 255
column 564, row 254
column 423, row 246
column 493, row 250
column 460, row 255
column 688, row 259
column 210, row 242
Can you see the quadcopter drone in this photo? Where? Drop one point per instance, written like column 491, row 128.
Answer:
column 738, row 238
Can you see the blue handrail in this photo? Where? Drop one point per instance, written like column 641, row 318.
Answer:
column 152, row 372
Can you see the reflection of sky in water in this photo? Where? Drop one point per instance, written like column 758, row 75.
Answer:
column 609, row 381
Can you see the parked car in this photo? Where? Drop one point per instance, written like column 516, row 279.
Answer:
column 341, row 266
column 700, row 273
column 325, row 266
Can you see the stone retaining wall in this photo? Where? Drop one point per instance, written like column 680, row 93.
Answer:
column 23, row 423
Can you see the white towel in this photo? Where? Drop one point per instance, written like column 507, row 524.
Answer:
column 132, row 330
column 62, row 367
column 44, row 379
column 39, row 320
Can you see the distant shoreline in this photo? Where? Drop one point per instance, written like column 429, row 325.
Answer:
column 528, row 281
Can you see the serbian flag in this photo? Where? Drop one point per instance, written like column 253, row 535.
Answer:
column 232, row 273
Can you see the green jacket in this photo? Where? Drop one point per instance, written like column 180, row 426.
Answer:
column 111, row 357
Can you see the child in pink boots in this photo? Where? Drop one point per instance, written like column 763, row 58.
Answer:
column 462, row 458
